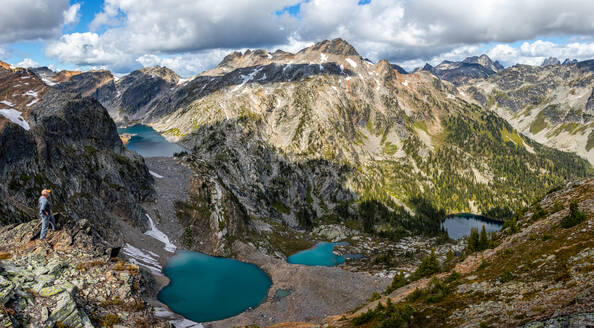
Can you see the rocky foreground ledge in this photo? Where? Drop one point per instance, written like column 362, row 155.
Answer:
column 73, row 279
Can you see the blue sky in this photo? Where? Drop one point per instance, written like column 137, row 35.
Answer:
column 192, row 35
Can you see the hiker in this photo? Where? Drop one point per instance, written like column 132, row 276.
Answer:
column 45, row 213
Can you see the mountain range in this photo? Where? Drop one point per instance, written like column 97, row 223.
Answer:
column 284, row 146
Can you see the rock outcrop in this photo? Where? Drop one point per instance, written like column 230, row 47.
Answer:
column 71, row 280
column 550, row 61
column 70, row 145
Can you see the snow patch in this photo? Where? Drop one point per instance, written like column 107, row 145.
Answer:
column 47, row 82
column 269, row 55
column 158, row 176
column 179, row 323
column 7, row 103
column 142, row 258
column 286, row 66
column 405, row 83
column 182, row 81
column 160, row 236
column 247, row 78
column 451, row 96
column 15, row 117
column 352, row 62
column 32, row 102
column 30, row 93
column 323, row 57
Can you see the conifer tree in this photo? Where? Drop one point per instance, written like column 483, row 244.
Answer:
column 483, row 240
column 473, row 240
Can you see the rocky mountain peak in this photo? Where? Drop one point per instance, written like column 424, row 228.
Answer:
column 484, row 61
column 4, row 65
column 336, row 47
column 550, row 61
column 568, row 61
column 399, row 69
column 162, row 72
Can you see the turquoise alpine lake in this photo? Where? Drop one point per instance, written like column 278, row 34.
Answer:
column 149, row 143
column 459, row 225
column 321, row 255
column 206, row 288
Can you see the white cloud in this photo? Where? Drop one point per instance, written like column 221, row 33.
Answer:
column 406, row 30
column 533, row 53
column 143, row 32
column 88, row 49
column 72, row 16
column 34, row 19
column 185, row 65
column 27, row 62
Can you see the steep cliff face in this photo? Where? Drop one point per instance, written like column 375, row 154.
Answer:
column 137, row 92
column 549, row 103
column 69, row 145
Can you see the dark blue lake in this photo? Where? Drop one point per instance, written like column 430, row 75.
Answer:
column 321, row 254
column 459, row 225
column 206, row 288
column 149, row 143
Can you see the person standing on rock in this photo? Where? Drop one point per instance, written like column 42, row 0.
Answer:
column 45, row 213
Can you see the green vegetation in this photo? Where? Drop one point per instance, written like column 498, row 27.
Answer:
column 539, row 212
column 511, row 225
column 477, row 242
column 506, row 276
column 590, row 143
column 280, row 207
column 386, row 316
column 574, row 218
column 514, row 137
column 429, row 266
column 398, row 281
column 397, row 222
column 539, row 123
column 187, row 238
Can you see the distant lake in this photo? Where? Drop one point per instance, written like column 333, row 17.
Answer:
column 321, row 255
column 149, row 143
column 206, row 288
column 459, row 225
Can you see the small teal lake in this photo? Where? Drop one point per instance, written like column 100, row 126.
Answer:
column 459, row 225
column 206, row 288
column 321, row 255
column 149, row 143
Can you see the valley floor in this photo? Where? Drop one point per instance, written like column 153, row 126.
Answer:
column 315, row 292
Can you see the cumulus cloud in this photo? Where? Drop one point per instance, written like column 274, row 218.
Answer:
column 34, row 19
column 27, row 62
column 89, row 49
column 405, row 30
column 139, row 32
column 533, row 53
column 71, row 15
column 185, row 65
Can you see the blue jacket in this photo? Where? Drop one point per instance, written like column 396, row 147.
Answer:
column 44, row 206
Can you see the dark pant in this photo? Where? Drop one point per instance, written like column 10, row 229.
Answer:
column 45, row 221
